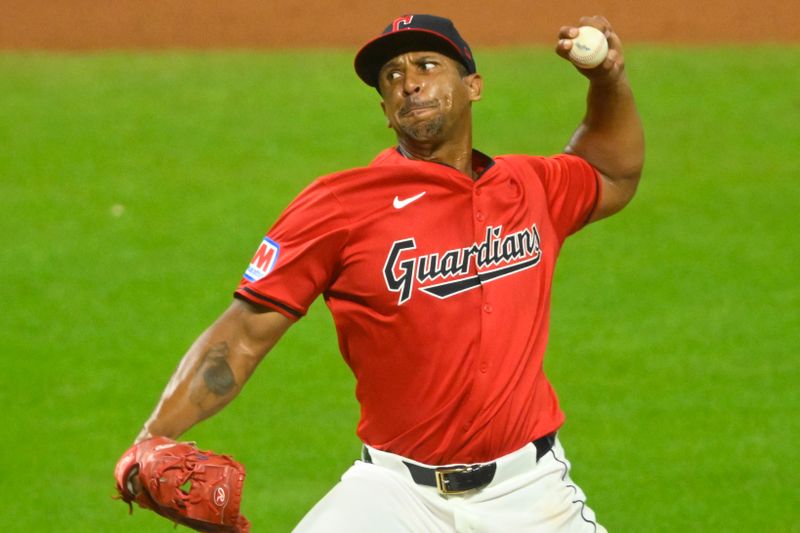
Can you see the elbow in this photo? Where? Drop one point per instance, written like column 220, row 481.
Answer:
column 616, row 192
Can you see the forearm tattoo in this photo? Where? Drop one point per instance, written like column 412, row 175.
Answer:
column 214, row 375
column 218, row 375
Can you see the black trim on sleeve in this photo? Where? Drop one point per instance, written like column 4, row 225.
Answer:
column 271, row 302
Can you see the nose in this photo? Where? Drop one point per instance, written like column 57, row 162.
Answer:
column 411, row 84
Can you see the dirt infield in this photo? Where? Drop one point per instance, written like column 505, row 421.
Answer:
column 124, row 24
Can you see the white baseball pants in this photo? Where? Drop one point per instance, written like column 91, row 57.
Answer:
column 525, row 496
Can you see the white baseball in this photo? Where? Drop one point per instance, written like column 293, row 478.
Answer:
column 589, row 48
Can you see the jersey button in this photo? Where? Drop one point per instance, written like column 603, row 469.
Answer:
column 487, row 308
column 477, row 192
column 484, row 367
column 480, row 216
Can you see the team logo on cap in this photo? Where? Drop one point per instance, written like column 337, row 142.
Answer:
column 264, row 260
column 398, row 23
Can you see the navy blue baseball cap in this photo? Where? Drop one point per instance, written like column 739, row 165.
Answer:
column 412, row 33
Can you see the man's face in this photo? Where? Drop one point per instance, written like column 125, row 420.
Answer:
column 426, row 95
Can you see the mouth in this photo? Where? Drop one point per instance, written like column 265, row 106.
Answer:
column 417, row 108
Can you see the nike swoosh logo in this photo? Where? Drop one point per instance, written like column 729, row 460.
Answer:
column 400, row 204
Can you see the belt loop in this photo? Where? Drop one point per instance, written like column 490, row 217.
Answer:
column 544, row 445
column 365, row 456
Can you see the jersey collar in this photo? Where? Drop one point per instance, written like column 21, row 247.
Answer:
column 480, row 161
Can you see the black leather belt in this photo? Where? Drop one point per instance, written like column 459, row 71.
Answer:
column 459, row 479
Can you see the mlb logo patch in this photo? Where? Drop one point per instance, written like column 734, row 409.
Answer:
column 264, row 260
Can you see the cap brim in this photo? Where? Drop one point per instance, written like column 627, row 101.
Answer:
column 378, row 51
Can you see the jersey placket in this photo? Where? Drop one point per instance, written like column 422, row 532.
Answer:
column 481, row 370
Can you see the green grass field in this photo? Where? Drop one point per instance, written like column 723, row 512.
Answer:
column 135, row 187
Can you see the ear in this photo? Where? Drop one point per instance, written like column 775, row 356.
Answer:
column 474, row 83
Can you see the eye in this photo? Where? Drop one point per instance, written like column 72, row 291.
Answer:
column 393, row 75
column 428, row 65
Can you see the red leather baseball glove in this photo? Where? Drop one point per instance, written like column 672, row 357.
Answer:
column 198, row 489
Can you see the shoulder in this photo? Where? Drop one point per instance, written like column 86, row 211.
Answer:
column 349, row 191
column 347, row 183
column 554, row 159
column 546, row 166
column 385, row 162
column 368, row 179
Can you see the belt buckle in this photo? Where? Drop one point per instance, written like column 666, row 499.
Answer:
column 441, row 483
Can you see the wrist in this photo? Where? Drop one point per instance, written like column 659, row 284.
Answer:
column 143, row 435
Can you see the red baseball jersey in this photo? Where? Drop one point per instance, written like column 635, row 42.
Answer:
column 439, row 287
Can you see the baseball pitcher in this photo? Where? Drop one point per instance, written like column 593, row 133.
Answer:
column 436, row 261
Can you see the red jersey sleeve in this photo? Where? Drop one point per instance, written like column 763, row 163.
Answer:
column 572, row 188
column 298, row 258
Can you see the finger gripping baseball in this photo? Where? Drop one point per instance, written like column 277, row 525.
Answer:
column 589, row 48
column 195, row 488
